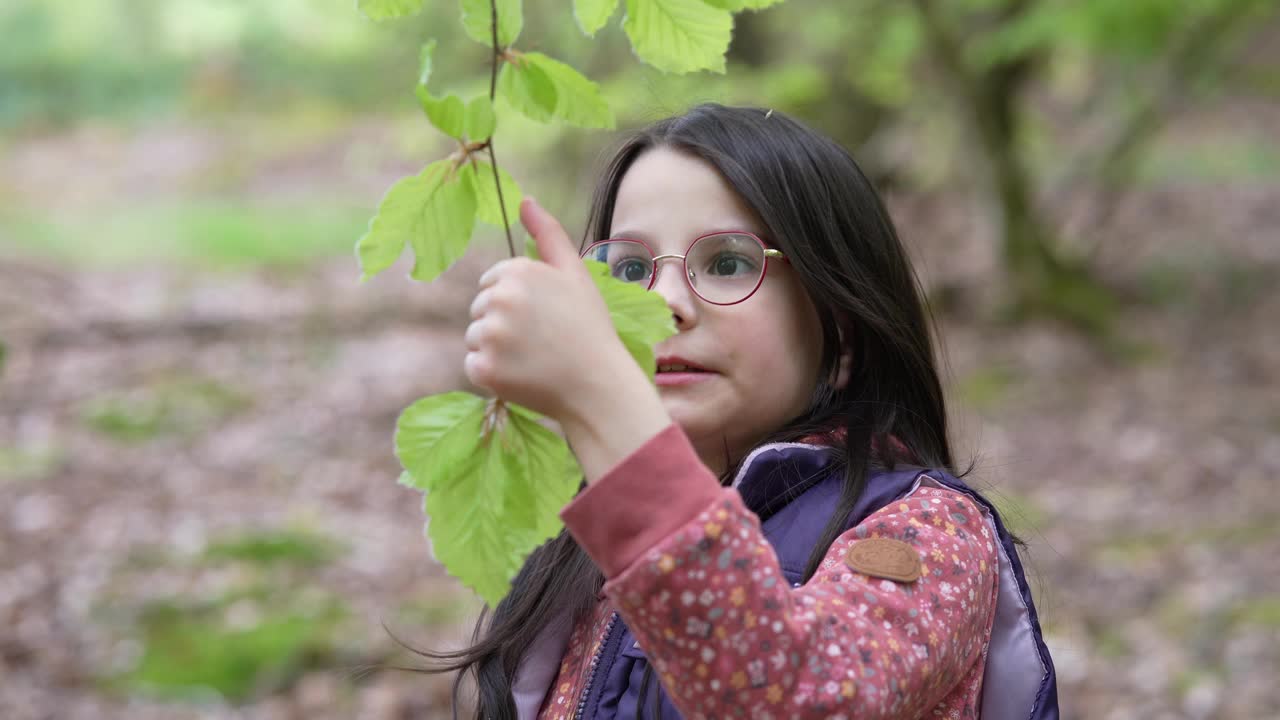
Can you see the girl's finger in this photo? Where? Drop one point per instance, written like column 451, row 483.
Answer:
column 476, row 370
column 474, row 335
column 491, row 276
column 480, row 304
column 554, row 244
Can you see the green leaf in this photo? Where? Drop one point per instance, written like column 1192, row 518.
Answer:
column 436, row 436
column 494, row 478
column 739, row 5
column 477, row 20
column 480, row 118
column 389, row 9
column 679, row 36
column 593, row 14
column 529, row 90
column 487, row 208
column 548, row 459
column 448, row 113
column 444, row 222
column 577, row 100
column 398, row 219
column 642, row 318
column 424, row 61
column 432, row 211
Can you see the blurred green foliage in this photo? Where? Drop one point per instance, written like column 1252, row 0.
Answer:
column 987, row 388
column 235, row 649
column 179, row 404
column 1263, row 611
column 135, row 59
column 25, row 464
column 295, row 547
column 252, row 637
column 204, row 233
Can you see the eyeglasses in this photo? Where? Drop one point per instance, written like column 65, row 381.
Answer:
column 723, row 268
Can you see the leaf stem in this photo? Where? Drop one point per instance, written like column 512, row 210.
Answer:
column 495, row 415
column 493, row 91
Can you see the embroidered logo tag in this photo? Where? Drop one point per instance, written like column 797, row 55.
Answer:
column 884, row 558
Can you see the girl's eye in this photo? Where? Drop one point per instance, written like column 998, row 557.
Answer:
column 731, row 264
column 631, row 270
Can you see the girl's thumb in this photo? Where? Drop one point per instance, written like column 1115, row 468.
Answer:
column 553, row 243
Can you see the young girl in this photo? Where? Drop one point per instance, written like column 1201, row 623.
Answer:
column 774, row 529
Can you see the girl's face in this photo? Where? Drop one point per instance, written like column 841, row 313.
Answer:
column 763, row 354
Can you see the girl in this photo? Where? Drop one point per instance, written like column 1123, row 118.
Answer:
column 774, row 529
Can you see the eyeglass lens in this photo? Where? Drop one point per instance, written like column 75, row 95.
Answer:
column 723, row 268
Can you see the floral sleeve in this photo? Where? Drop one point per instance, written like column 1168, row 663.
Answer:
column 708, row 603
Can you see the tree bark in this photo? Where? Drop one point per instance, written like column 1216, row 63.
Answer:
column 1041, row 280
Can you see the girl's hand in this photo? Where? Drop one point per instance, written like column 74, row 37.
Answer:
column 541, row 337
column 540, row 328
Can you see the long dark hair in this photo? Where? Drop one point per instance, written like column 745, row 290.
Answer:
column 817, row 207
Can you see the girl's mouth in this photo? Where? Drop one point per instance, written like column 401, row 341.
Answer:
column 674, row 371
column 668, row 379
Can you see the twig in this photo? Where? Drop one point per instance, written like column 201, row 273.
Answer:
column 493, row 91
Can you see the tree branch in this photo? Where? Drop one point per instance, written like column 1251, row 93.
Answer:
column 1121, row 152
column 493, row 92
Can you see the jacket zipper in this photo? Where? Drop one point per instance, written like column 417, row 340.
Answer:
column 610, row 626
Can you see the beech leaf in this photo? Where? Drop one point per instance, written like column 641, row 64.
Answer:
column 529, row 90
column 495, row 480
column 448, row 113
column 398, row 219
column 679, row 36
column 578, row 101
column 641, row 318
column 487, row 209
column 444, row 223
column 593, row 14
column 480, row 118
column 477, row 20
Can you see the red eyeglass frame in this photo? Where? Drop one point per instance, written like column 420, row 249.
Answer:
column 684, row 260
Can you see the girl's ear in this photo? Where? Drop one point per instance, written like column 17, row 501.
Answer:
column 845, row 366
column 843, row 369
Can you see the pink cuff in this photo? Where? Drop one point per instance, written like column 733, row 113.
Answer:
column 651, row 494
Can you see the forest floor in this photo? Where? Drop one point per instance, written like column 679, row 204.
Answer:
column 197, row 485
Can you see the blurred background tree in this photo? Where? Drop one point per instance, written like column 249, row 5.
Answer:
column 199, row 508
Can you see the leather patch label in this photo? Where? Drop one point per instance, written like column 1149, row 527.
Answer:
column 884, row 558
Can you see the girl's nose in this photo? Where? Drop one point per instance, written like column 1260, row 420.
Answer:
column 674, row 288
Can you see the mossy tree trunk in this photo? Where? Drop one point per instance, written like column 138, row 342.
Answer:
column 1041, row 279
